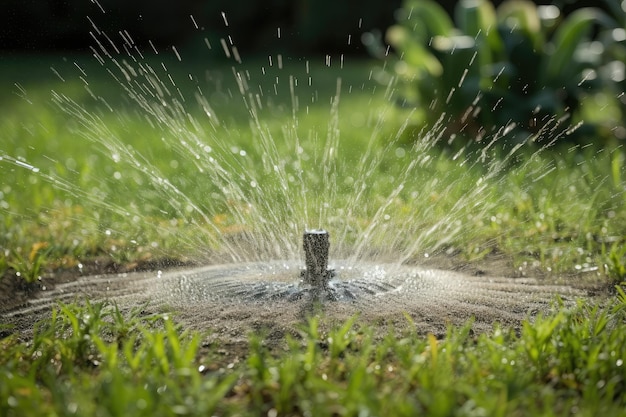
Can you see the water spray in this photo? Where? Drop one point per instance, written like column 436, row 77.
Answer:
column 316, row 244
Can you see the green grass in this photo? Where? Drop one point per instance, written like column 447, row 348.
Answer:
column 100, row 160
column 83, row 202
column 95, row 360
column 560, row 211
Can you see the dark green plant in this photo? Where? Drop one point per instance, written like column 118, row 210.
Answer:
column 4, row 263
column 616, row 262
column 515, row 70
column 30, row 267
column 612, row 46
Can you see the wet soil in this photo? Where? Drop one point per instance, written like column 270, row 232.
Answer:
column 445, row 290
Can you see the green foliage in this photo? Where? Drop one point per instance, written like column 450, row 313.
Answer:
column 514, row 71
column 612, row 44
column 4, row 263
column 30, row 268
column 96, row 360
column 73, row 210
column 573, row 357
column 616, row 262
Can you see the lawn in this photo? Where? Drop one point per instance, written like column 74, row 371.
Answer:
column 95, row 360
column 165, row 162
column 93, row 169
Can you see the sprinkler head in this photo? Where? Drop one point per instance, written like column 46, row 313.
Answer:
column 316, row 244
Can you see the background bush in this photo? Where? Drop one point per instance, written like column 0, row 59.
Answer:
column 518, row 70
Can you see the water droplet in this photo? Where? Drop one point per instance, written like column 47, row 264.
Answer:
column 141, row 404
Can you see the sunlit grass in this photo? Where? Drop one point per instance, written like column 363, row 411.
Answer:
column 559, row 210
column 97, row 360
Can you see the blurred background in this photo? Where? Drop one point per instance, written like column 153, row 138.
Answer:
column 306, row 26
column 544, row 60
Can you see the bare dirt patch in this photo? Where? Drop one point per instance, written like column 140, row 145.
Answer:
column 446, row 291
